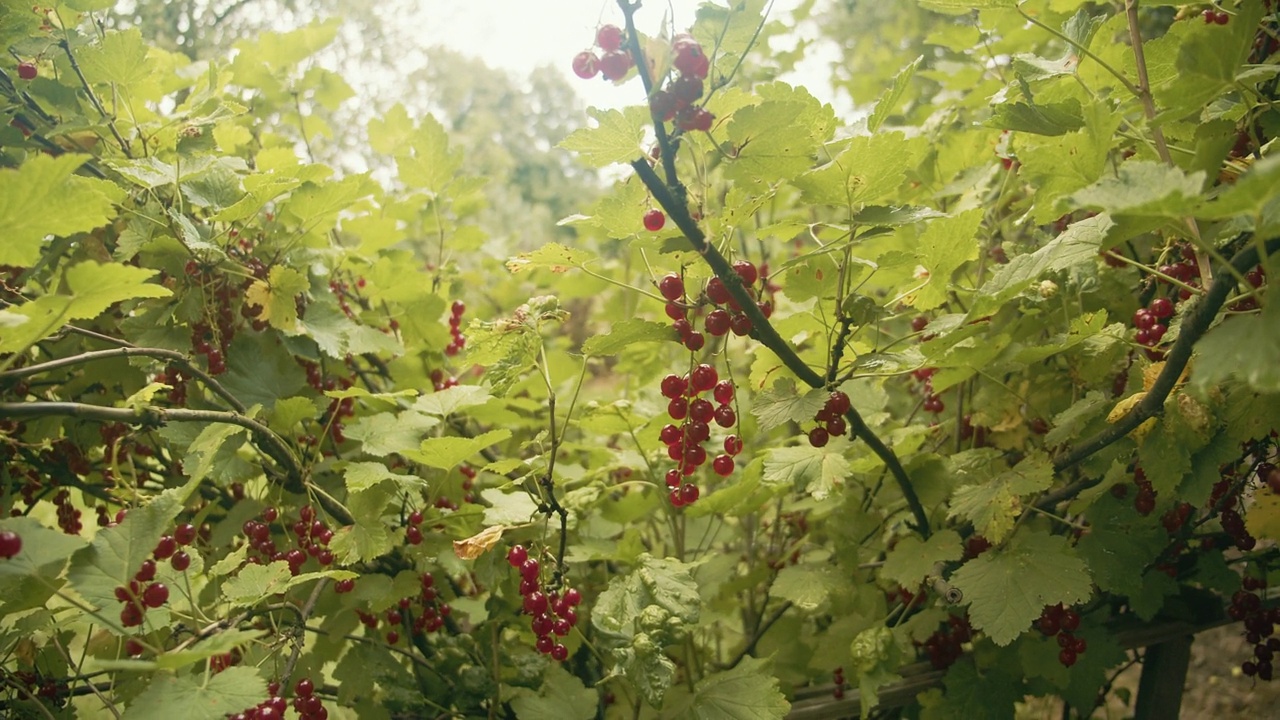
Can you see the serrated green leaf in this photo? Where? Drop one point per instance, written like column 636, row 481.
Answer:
column 1079, row 243
column 507, row 508
column 1237, row 348
column 198, row 697
column 364, row 475
column 777, row 139
column 96, row 287
column 1058, row 166
column 806, row 586
column 1258, row 186
column 615, row 138
column 993, row 506
column 1040, row 119
column 913, row 559
column 216, row 644
column 1141, row 187
column 1007, row 588
column 625, row 333
column 1068, row 424
column 945, row 246
column 386, row 433
column 818, row 470
column 450, row 400
column 749, row 691
column 67, row 204
column 783, row 403
column 447, row 453
column 665, row 584
column 889, row 100
column 555, row 257
column 288, row 412
column 119, row 58
column 32, row 576
column 869, row 169
column 561, row 696
column 1118, row 541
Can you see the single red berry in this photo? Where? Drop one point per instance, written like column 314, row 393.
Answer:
column 686, row 90
column 609, row 37
column 1067, row 657
column 701, row 410
column 304, row 688
column 723, row 392
column 653, row 222
column 694, row 120
column 1144, row 319
column 695, row 342
column 413, row 535
column 155, row 595
column 718, row 322
column 836, row 426
column 672, row 288
column 723, row 465
column 185, row 533
column 415, row 517
column 615, row 65
column 517, row 555
column 678, row 408
column 818, row 437
column 1221, row 18
column 573, row 597
column 1161, row 308
column 703, row 378
column 838, row 403
column 740, row 325
column 718, row 293
column 733, row 445
column 586, row 65
column 663, row 107
column 529, row 569
column 180, row 561
column 559, row 652
column 10, row 544
column 689, row 494
column 27, row 71
column 747, row 271
column 725, row 416
column 165, row 548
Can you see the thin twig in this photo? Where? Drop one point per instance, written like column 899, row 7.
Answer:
column 93, row 97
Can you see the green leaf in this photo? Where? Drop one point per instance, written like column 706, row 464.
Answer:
column 889, row 100
column 368, row 538
column 555, row 257
column 993, row 506
column 817, row 470
column 32, row 576
column 1119, row 540
column 961, row 6
column 970, row 694
column 432, row 165
column 1007, row 588
column 1058, row 166
column 869, row 169
column 561, row 696
column 277, row 297
column 1047, row 119
column 315, row 206
column 625, row 333
column 120, row 58
column 384, row 434
column 507, row 508
column 1068, row 424
column 783, row 403
column 661, row 583
column 289, row 412
column 364, row 475
column 806, row 586
column 945, row 246
column 616, row 137
column 255, row 582
column 1237, row 348
column 198, row 697
column 1258, row 186
column 450, row 400
column 221, row 642
column 1078, row 244
column 913, row 559
column 777, row 139
column 1142, row 187
column 447, row 453
column 116, row 553
column 67, row 205
column 96, row 287
column 749, row 691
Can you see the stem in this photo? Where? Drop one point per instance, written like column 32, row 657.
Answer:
column 93, row 97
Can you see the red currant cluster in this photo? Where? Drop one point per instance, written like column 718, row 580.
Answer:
column 676, row 101
column 49, row 690
column 68, row 515
column 455, row 328
column 440, row 382
column 177, row 382
column 10, row 544
column 1215, row 17
column 677, row 308
column 1151, row 324
column 830, row 419
column 427, row 618
column 210, row 337
column 141, row 593
column 413, row 529
column 684, row 441
column 305, row 702
column 554, row 614
column 837, row 679
column 614, row 64
column 1145, row 500
column 1063, row 622
column 728, row 316
column 1259, row 625
column 946, row 645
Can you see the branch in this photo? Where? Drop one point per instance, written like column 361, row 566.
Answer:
column 1194, row 326
column 271, row 444
column 763, row 331
column 131, row 351
column 93, row 97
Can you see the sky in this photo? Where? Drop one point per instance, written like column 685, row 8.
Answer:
column 519, row 34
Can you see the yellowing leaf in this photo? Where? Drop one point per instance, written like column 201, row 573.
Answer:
column 555, row 257
column 1263, row 518
column 478, row 544
column 276, row 295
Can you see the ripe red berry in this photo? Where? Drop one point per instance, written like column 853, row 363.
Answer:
column 686, row 90
column 690, row 60
column 725, row 416
column 1067, row 657
column 741, row 325
column 701, row 410
column 609, row 37
column 653, row 222
column 747, row 271
column 818, row 437
column 703, row 378
column 165, row 548
column 733, row 445
column 1144, row 319
column 517, row 555
column 838, row 403
column 27, row 71
column 155, row 595
column 723, row 465
column 694, row 120
column 1161, row 308
column 717, row 322
column 10, row 544
column 560, row 652
column 689, row 494
column 663, row 106
column 586, row 65
column 413, row 534
column 723, row 392
column 304, row 688
column 185, row 533
column 615, row 65
column 180, row 561
column 672, row 288
column 695, row 342
column 529, row 569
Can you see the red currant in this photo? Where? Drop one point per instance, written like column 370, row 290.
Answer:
column 672, row 288
column 27, row 71
column 654, row 220
column 609, row 37
column 10, row 544
column 615, row 65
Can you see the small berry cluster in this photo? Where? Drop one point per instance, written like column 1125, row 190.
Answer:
column 413, row 528
column 211, row 337
column 427, row 618
column 932, row 402
column 677, row 308
column 10, row 544
column 68, row 515
column 440, row 382
column 305, row 702
column 1145, row 500
column 177, row 382
column 684, row 442
column 613, row 64
column 676, row 101
column 554, row 614
column 1259, row 625
column 1063, row 622
column 1151, row 323
column 459, row 340
column 728, row 316
column 1215, row 17
column 141, row 593
column 830, row 419
column 837, row 679
column 946, row 645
